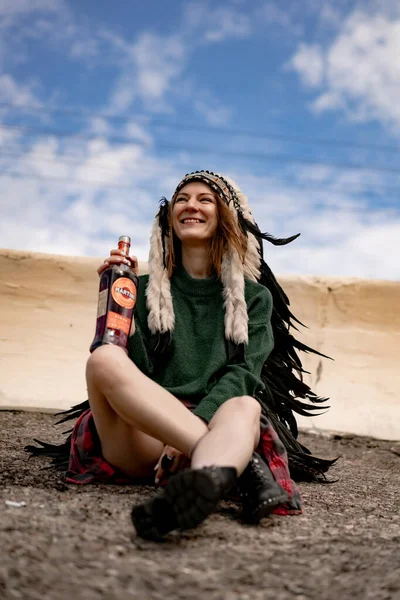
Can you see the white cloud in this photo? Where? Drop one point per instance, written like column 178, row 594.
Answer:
column 99, row 126
column 139, row 133
column 88, row 49
column 330, row 15
column 151, row 71
column 105, row 189
column 10, row 7
column 213, row 111
column 228, row 23
column 280, row 16
column 203, row 22
column 358, row 250
column 15, row 93
column 358, row 71
column 341, row 234
column 309, row 62
column 123, row 94
column 150, row 68
column 159, row 61
column 57, row 206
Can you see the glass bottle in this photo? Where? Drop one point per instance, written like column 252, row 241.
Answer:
column 117, row 299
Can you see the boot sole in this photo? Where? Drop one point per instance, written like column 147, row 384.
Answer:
column 187, row 500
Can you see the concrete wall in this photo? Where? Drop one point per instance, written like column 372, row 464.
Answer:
column 47, row 321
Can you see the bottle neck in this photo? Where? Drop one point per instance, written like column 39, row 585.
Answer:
column 124, row 247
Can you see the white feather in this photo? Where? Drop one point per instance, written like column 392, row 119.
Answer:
column 158, row 294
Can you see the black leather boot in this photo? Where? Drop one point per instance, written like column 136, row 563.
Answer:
column 259, row 491
column 188, row 498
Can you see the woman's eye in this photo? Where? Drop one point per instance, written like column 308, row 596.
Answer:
column 206, row 200
column 180, row 200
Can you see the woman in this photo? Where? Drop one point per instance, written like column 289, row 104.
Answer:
column 185, row 403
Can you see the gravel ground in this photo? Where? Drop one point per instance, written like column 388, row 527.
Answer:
column 71, row 542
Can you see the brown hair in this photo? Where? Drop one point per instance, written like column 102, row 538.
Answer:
column 228, row 234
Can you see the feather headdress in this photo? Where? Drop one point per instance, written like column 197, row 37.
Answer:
column 233, row 271
column 285, row 391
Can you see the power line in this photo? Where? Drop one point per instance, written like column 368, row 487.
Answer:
column 130, row 187
column 41, row 158
column 65, row 160
column 232, row 153
column 45, row 179
column 71, row 159
column 61, row 133
column 76, row 111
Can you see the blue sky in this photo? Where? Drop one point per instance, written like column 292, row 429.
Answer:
column 105, row 106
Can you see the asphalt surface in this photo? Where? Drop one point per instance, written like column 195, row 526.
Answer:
column 67, row 542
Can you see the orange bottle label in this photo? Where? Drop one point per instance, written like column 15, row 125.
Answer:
column 124, row 292
column 116, row 321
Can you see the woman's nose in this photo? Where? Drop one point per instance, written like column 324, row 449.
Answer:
column 192, row 204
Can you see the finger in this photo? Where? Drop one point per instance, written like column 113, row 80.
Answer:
column 165, row 466
column 158, row 468
column 105, row 265
column 133, row 327
column 134, row 261
column 117, row 259
column 113, row 260
column 159, row 474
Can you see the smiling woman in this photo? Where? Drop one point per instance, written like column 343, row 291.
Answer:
column 194, row 213
column 204, row 398
column 199, row 215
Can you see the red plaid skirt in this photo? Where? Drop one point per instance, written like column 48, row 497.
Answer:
column 87, row 465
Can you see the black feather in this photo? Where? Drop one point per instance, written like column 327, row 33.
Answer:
column 163, row 220
column 235, row 353
column 74, row 412
column 286, row 393
column 255, row 230
column 158, row 345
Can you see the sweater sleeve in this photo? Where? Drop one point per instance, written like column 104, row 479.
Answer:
column 244, row 379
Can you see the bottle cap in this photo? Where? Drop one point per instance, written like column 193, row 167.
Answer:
column 124, row 238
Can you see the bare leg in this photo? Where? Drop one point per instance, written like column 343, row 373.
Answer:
column 134, row 416
column 191, row 496
column 234, row 434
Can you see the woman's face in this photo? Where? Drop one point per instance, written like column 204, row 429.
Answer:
column 195, row 214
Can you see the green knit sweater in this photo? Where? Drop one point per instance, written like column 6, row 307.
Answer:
column 196, row 368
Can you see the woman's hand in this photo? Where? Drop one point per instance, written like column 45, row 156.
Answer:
column 117, row 257
column 169, row 462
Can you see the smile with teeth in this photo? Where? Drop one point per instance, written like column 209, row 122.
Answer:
column 191, row 220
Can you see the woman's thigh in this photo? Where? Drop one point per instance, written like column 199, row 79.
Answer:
column 130, row 450
column 126, row 448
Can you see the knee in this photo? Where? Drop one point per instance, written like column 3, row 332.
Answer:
column 247, row 407
column 103, row 363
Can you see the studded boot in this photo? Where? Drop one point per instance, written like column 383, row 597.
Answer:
column 188, row 498
column 259, row 491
